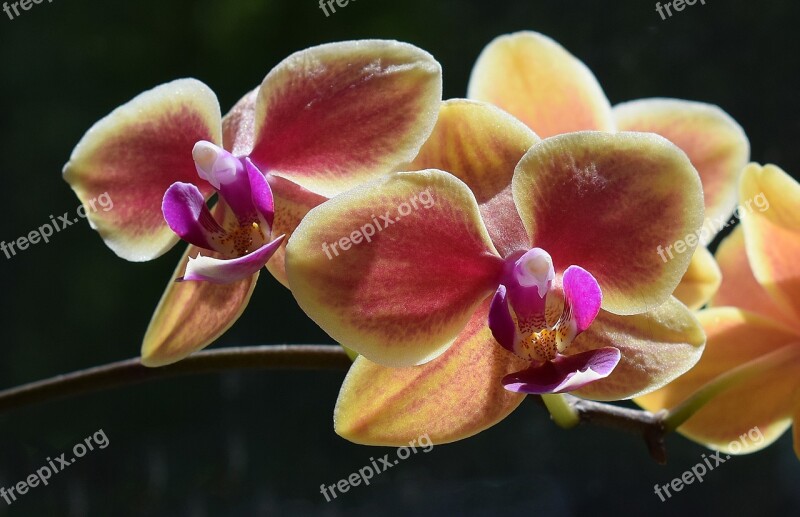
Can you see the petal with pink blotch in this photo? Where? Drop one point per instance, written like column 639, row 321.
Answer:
column 608, row 202
column 134, row 154
column 397, row 293
column 333, row 116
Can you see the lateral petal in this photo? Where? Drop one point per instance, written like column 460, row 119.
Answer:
column 700, row 281
column 134, row 154
column 397, row 293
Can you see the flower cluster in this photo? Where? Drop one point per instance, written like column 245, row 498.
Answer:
column 534, row 268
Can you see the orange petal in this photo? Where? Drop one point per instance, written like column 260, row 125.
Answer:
column 133, row 155
column 714, row 142
column 736, row 337
column 771, row 222
column 796, row 429
column 740, row 288
column 334, row 116
column 192, row 315
column 656, row 347
column 481, row 145
column 396, row 293
column 700, row 281
column 535, row 79
column 455, row 396
column 614, row 204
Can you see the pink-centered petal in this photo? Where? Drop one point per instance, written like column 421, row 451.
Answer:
column 608, row 202
column 333, row 116
column 400, row 292
column 133, row 155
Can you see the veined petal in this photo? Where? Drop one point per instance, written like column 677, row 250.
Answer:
column 700, row 281
column 609, row 202
column 192, row 315
column 455, row 396
column 736, row 337
column 238, row 125
column 336, row 115
column 565, row 373
column 396, row 293
column 656, row 347
column 714, row 142
column 772, row 232
column 292, row 203
column 226, row 271
column 134, row 154
column 740, row 288
column 481, row 145
column 535, row 79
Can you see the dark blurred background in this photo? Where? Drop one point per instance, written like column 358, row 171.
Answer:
column 262, row 443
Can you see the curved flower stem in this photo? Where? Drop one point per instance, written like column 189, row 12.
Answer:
column 567, row 410
column 131, row 371
column 676, row 416
column 564, row 414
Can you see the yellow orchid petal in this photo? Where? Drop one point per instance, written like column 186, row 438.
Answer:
column 192, row 315
column 700, row 281
column 538, row 81
column 735, row 338
column 740, row 288
column 714, row 142
column 772, row 232
column 450, row 398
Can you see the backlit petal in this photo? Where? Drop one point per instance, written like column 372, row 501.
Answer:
column 609, row 202
column 535, row 79
column 455, row 396
column 397, row 294
column 133, row 155
column 238, row 125
column 740, row 288
column 736, row 337
column 481, row 145
column 772, row 232
column 656, row 347
column 700, row 281
column 333, row 116
column 714, row 142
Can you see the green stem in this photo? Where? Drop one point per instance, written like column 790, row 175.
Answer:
column 563, row 413
column 683, row 411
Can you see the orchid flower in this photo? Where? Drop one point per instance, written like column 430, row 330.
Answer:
column 753, row 326
column 324, row 120
column 546, row 246
column 535, row 79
